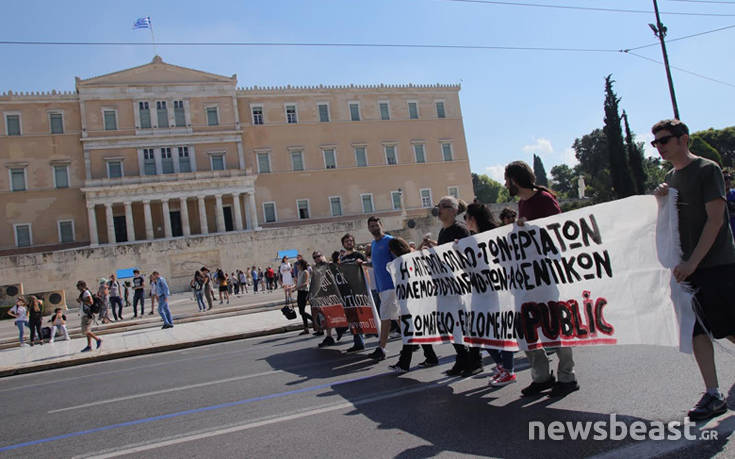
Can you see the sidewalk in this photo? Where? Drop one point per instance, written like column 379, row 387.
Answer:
column 61, row 353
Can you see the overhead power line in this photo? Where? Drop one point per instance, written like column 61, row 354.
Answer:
column 682, row 70
column 705, row 1
column 682, row 38
column 586, row 8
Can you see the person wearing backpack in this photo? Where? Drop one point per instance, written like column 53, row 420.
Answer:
column 89, row 306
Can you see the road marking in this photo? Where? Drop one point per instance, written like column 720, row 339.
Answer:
column 260, row 423
column 187, row 412
column 165, row 391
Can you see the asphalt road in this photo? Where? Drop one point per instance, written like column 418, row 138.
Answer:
column 280, row 396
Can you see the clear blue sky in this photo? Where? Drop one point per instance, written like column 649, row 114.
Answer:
column 515, row 103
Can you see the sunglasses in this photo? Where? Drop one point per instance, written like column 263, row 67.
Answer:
column 662, row 140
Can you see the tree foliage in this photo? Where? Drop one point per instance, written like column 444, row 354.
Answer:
column 594, row 164
column 539, row 171
column 487, row 190
column 618, row 158
column 722, row 140
column 635, row 159
column 701, row 147
column 564, row 181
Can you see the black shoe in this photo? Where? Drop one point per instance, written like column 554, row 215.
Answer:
column 397, row 369
column 707, row 407
column 429, row 363
column 328, row 341
column 476, row 370
column 377, row 354
column 535, row 387
column 456, row 370
column 164, row 327
column 340, row 332
column 355, row 349
column 561, row 389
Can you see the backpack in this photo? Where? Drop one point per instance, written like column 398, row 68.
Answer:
column 95, row 307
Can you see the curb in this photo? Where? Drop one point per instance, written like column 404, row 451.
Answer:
column 144, row 351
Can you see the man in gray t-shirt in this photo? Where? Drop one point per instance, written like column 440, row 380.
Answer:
column 708, row 252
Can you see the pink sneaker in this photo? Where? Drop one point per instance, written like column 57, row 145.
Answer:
column 503, row 379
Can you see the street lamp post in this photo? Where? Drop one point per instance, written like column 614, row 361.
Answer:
column 660, row 31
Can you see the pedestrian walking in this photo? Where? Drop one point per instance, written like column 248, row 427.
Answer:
column 197, row 286
column 287, row 280
column 302, row 293
column 19, row 312
column 163, row 294
column 138, row 293
column 208, row 289
column 115, row 297
column 86, row 311
column 103, row 292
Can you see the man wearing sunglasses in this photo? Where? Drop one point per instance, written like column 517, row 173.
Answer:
column 708, row 259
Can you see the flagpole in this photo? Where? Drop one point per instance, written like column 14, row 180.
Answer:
column 153, row 37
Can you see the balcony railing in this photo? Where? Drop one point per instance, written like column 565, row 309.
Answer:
column 138, row 179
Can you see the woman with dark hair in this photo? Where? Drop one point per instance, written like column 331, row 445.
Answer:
column 479, row 219
column 286, row 279
column 302, row 293
column 222, row 280
column 35, row 315
column 197, row 285
column 507, row 216
column 399, row 247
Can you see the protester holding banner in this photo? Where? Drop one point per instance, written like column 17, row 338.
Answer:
column 349, row 255
column 399, row 247
column 537, row 201
column 708, row 252
column 381, row 256
column 320, row 262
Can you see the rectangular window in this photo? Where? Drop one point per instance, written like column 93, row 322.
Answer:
column 354, row 111
column 418, row 150
column 447, row 151
column 167, row 161
column 56, row 122
column 360, row 157
column 257, row 114
column 212, row 116
column 302, row 206
column 218, row 162
column 453, row 191
column 162, row 114
column 264, row 163
column 297, row 160
column 184, row 160
column 390, row 155
column 425, row 194
column 413, row 110
column 330, row 158
column 66, row 231
column 110, row 120
column 145, row 115
column 179, row 113
column 291, row 114
column 23, row 235
column 149, row 162
column 395, row 197
column 384, row 111
column 61, row 176
column 440, row 110
column 114, row 169
column 323, row 113
column 12, row 124
column 367, row 203
column 18, row 179
column 269, row 212
column 335, row 205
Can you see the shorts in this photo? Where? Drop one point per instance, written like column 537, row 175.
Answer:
column 389, row 309
column 222, row 288
column 715, row 291
column 86, row 324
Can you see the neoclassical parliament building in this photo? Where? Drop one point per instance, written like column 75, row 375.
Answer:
column 161, row 151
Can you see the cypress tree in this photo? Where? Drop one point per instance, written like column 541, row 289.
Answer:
column 539, row 172
column 619, row 171
column 635, row 159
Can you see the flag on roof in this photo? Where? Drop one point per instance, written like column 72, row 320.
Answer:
column 142, row 23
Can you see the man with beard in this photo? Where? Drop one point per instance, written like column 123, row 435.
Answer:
column 349, row 255
column 537, row 201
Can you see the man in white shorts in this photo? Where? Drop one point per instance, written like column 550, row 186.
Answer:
column 389, row 309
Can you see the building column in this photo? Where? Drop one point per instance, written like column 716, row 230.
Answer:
column 129, row 220
column 253, row 211
column 148, row 220
column 166, row 218
column 110, row 224
column 220, row 213
column 184, row 217
column 203, row 215
column 240, row 155
column 238, row 212
column 92, row 220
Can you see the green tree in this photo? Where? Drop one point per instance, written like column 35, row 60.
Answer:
column 655, row 170
column 701, row 147
column 564, row 181
column 486, row 189
column 619, row 171
column 722, row 140
column 539, row 171
column 635, row 159
column 594, row 164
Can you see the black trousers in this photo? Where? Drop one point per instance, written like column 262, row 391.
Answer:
column 301, row 298
column 139, row 296
column 468, row 358
column 116, row 313
column 35, row 325
column 404, row 361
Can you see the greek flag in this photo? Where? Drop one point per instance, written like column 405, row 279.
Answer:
column 142, row 23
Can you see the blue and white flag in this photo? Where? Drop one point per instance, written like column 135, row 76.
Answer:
column 142, row 23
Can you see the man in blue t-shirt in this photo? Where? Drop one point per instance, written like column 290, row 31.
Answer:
column 380, row 257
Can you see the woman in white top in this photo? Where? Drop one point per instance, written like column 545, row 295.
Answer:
column 20, row 313
column 286, row 278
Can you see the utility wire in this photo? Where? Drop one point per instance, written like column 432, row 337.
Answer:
column 682, row 70
column 705, row 1
column 680, row 38
column 585, row 8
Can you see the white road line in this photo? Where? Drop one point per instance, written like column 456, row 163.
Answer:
column 262, row 422
column 164, row 391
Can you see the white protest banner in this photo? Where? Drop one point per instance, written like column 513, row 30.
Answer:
column 596, row 275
